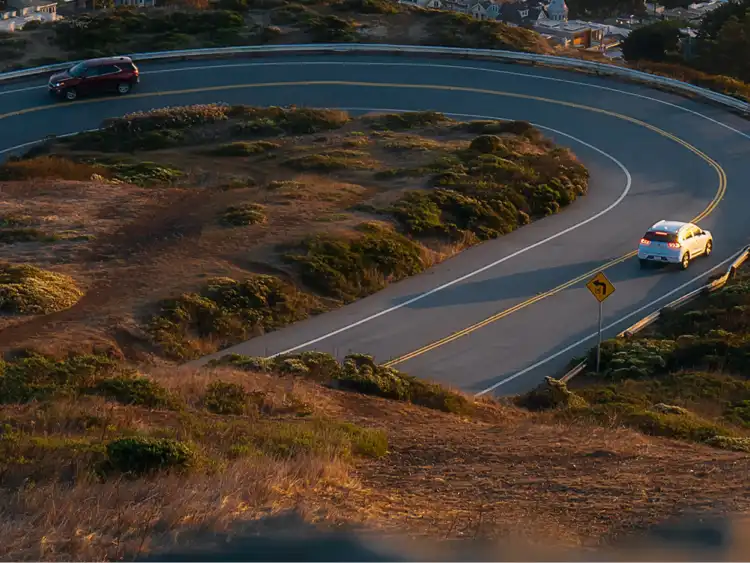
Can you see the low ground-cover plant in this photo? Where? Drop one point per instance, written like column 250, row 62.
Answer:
column 225, row 312
column 349, row 268
column 48, row 167
column 243, row 215
column 28, row 290
column 358, row 372
column 490, row 189
column 243, row 148
column 693, row 361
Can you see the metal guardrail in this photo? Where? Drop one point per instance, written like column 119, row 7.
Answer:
column 637, row 327
column 498, row 55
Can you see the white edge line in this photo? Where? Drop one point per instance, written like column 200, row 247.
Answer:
column 609, row 326
column 432, row 65
column 626, row 190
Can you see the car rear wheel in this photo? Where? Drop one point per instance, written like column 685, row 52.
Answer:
column 709, row 248
column 123, row 88
column 643, row 263
column 685, row 261
column 71, row 94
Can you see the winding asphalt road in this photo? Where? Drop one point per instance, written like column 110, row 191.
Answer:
column 500, row 316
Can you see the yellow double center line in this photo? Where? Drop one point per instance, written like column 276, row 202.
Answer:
column 502, row 314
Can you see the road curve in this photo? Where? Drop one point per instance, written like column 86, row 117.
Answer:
column 502, row 315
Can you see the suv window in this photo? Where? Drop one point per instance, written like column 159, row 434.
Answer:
column 78, row 70
column 660, row 236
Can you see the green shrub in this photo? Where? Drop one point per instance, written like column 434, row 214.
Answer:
column 144, row 455
column 28, row 290
column 35, row 376
column 358, row 372
column 140, row 391
column 225, row 398
column 407, row 120
column 732, row 443
column 294, row 121
column 144, row 173
column 486, row 143
column 552, row 394
column 351, row 268
column 523, row 128
column 681, row 426
column 330, row 161
column 361, row 374
column 244, row 148
column 242, row 215
column 227, row 311
column 627, row 359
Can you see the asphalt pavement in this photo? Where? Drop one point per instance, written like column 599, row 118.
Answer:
column 652, row 155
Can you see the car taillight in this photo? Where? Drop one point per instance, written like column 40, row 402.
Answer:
column 645, row 241
column 673, row 244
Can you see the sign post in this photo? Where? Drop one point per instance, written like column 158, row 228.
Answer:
column 601, row 288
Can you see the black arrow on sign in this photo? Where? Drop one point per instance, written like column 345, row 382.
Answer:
column 601, row 287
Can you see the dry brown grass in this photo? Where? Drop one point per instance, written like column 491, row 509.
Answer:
column 499, row 472
column 129, row 247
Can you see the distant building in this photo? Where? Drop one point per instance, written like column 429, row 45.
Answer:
column 524, row 13
column 20, row 12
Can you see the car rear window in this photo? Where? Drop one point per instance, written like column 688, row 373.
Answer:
column 660, row 236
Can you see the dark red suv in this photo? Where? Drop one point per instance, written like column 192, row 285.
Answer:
column 95, row 76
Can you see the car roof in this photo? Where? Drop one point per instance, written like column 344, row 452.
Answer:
column 669, row 226
column 108, row 60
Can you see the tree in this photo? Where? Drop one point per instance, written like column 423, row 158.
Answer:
column 653, row 42
column 729, row 52
column 712, row 22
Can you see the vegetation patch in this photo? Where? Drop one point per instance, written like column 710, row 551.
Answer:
column 48, row 167
column 144, row 174
column 225, row 312
column 242, row 148
column 135, row 390
column 684, row 376
column 330, row 161
column 28, row 290
column 407, row 120
column 142, row 455
column 37, row 377
column 490, row 189
column 350, row 268
column 358, row 373
column 242, row 215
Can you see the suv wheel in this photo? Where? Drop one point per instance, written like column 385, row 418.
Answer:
column 71, row 94
column 123, row 88
column 643, row 263
column 685, row 261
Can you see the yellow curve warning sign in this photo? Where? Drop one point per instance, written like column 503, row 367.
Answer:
column 600, row 287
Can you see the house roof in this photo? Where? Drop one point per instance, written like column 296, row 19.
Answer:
column 511, row 12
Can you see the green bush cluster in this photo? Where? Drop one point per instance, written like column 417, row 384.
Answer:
column 489, row 190
column 225, row 398
column 144, row 173
column 329, row 161
column 135, row 390
column 227, row 311
column 350, row 268
column 142, row 455
column 242, row 148
column 256, row 121
column 407, row 120
column 359, row 373
column 105, row 33
column 35, row 376
column 13, row 235
column 28, row 290
column 552, row 394
column 325, row 28
column 368, row 6
column 243, row 215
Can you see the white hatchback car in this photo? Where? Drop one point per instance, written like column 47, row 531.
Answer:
column 674, row 242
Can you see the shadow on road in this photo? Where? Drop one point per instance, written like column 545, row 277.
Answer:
column 520, row 285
